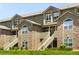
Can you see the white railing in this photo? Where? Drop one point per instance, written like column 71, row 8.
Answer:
column 48, row 22
column 47, row 42
column 11, row 43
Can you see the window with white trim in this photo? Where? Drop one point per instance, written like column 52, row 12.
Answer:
column 48, row 16
column 24, row 29
column 68, row 24
column 68, row 42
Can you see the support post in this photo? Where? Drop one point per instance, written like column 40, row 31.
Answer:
column 51, row 19
column 49, row 31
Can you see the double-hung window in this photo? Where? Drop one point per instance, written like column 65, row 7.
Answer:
column 68, row 42
column 24, row 30
column 48, row 16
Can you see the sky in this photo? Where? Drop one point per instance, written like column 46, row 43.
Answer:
column 10, row 9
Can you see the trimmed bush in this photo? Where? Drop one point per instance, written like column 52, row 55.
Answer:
column 15, row 48
column 62, row 46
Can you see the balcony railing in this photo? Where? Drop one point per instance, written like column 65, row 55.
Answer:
column 49, row 22
column 14, row 28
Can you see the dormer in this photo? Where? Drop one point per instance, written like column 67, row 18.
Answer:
column 50, row 14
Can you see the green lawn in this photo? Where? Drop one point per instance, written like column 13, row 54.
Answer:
column 48, row 52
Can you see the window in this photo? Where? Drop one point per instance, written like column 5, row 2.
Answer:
column 24, row 44
column 56, row 14
column 68, row 42
column 68, row 24
column 48, row 16
column 24, row 29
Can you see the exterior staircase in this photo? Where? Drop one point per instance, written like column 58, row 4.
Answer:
column 11, row 43
column 46, row 42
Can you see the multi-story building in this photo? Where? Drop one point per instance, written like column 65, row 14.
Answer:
column 48, row 28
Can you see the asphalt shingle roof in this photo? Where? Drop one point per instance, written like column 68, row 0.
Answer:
column 70, row 5
column 4, row 27
column 40, row 12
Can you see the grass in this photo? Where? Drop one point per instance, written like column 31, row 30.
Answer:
column 46, row 52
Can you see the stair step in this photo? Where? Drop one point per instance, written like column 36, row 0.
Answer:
column 47, row 42
column 11, row 44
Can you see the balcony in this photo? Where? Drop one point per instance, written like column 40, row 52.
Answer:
column 50, row 19
column 14, row 28
column 49, row 22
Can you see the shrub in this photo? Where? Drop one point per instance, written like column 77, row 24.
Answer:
column 15, row 48
column 1, row 48
column 62, row 46
column 58, row 49
column 65, row 49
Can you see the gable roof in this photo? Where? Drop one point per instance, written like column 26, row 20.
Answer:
column 50, row 7
column 70, row 5
column 9, row 18
column 24, row 15
column 27, row 20
column 5, row 19
column 16, row 15
column 65, row 14
column 33, row 13
column 30, row 14
column 40, row 12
